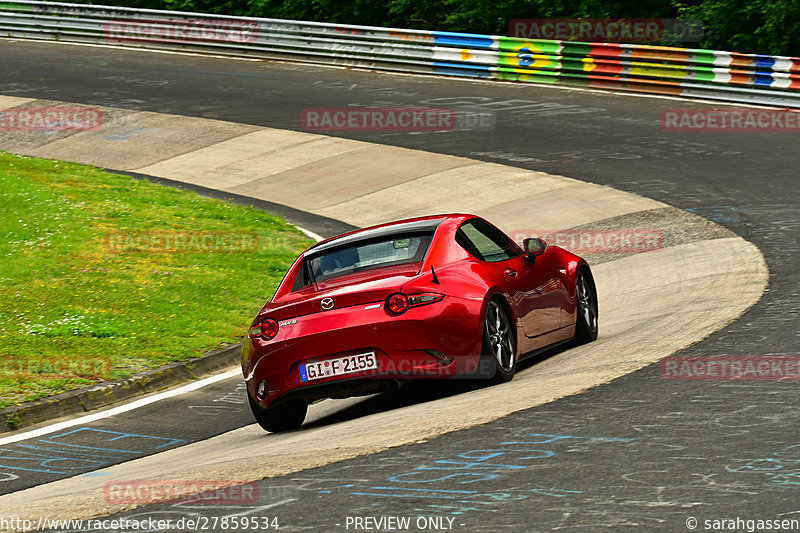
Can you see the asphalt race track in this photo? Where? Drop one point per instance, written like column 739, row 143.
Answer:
column 639, row 452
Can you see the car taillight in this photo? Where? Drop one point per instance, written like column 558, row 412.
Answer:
column 398, row 303
column 267, row 329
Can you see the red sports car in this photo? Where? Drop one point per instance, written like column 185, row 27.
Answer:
column 430, row 297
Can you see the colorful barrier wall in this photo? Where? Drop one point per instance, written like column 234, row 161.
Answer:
column 710, row 74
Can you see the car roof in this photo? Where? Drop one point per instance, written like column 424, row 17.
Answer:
column 411, row 225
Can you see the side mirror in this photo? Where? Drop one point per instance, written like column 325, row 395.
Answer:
column 534, row 247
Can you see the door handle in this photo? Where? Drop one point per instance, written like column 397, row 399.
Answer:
column 510, row 273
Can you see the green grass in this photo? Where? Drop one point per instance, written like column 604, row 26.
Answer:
column 78, row 306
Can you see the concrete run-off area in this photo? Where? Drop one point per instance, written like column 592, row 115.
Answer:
column 652, row 304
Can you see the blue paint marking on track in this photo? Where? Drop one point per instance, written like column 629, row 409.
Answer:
column 74, row 451
column 71, row 452
column 119, row 435
column 477, row 466
column 430, row 490
column 782, row 469
column 37, row 462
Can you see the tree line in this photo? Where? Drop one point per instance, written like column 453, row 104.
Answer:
column 749, row 26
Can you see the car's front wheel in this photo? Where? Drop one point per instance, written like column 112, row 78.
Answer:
column 586, row 319
column 282, row 417
column 499, row 343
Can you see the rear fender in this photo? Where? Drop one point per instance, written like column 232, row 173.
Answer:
column 467, row 281
column 454, row 279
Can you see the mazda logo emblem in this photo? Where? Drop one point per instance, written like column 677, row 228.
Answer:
column 327, row 303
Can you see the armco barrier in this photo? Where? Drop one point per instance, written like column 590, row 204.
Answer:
column 710, row 74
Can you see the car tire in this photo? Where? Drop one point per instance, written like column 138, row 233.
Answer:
column 586, row 316
column 282, row 417
column 499, row 352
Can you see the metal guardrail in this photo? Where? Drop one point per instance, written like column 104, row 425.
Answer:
column 710, row 74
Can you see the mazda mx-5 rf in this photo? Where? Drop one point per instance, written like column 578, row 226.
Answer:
column 431, row 297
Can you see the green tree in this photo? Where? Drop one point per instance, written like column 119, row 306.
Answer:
column 754, row 26
column 750, row 26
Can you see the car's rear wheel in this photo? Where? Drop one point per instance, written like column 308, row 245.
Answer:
column 586, row 319
column 499, row 343
column 282, row 417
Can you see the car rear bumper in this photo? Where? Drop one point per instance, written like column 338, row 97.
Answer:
column 440, row 340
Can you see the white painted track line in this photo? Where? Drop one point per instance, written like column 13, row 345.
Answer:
column 121, row 409
column 311, row 234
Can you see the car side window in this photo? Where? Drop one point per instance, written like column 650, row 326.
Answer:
column 486, row 242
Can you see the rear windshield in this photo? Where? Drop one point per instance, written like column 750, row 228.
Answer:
column 392, row 253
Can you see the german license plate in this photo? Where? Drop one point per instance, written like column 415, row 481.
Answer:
column 339, row 366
